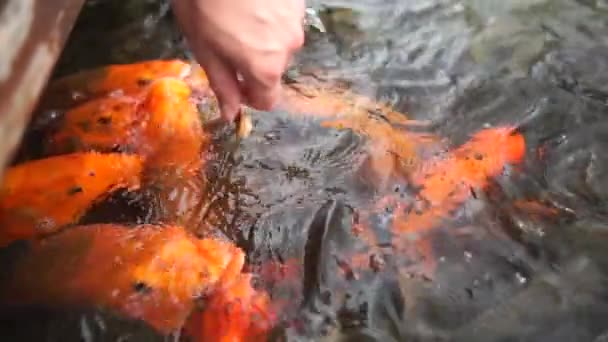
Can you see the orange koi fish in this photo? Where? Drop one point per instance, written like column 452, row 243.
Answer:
column 152, row 273
column 448, row 181
column 42, row 196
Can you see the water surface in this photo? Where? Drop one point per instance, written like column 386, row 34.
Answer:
column 463, row 65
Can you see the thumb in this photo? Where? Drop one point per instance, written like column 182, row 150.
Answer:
column 223, row 81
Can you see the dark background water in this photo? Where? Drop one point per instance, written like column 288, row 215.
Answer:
column 463, row 65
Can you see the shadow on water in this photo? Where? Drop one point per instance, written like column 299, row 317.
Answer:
column 504, row 273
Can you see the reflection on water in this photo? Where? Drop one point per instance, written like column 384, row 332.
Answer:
column 507, row 274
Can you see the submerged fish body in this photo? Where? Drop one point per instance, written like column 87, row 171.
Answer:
column 436, row 188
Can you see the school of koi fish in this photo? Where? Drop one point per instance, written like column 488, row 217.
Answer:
column 147, row 128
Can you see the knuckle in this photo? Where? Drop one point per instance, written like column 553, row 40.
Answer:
column 261, row 99
column 269, row 73
column 259, row 103
column 263, row 104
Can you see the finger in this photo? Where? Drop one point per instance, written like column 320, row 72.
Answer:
column 300, row 7
column 261, row 89
column 223, row 81
column 297, row 40
column 297, row 37
column 261, row 98
column 262, row 81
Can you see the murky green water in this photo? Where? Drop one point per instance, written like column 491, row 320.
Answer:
column 539, row 64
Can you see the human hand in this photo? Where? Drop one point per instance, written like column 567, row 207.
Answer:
column 243, row 45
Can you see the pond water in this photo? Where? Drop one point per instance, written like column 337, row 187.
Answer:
column 462, row 65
